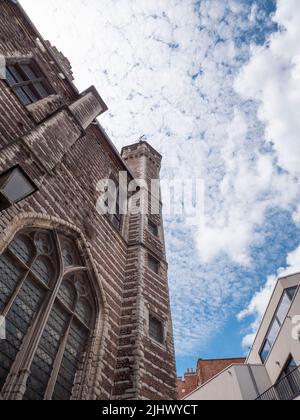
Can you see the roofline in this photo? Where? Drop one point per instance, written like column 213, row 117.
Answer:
column 114, row 149
column 39, row 35
column 219, row 374
column 219, row 359
column 41, row 38
column 210, row 360
column 287, row 276
column 140, row 143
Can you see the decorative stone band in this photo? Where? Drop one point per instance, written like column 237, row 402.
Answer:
column 52, row 139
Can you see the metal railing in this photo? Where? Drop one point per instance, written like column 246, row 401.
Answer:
column 287, row 389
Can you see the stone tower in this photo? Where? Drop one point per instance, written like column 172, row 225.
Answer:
column 149, row 371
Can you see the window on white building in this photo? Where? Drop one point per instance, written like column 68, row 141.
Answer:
column 278, row 320
column 289, row 381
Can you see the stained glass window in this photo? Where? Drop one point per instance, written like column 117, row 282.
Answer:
column 70, row 252
column 22, row 248
column 67, row 293
column 70, row 362
column 10, row 275
column 44, row 359
column 38, row 299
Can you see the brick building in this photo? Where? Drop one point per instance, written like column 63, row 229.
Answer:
column 85, row 296
column 206, row 370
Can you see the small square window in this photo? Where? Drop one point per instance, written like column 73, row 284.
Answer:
column 153, row 264
column 153, row 228
column 156, row 329
column 28, row 82
column 15, row 185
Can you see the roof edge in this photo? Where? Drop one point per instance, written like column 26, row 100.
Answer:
column 72, row 84
column 279, row 279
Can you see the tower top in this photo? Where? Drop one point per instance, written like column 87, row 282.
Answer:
column 142, row 147
column 142, row 159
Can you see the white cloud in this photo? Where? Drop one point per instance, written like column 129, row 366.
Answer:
column 296, row 216
column 293, row 263
column 256, row 309
column 271, row 79
column 254, row 10
column 258, row 305
column 149, row 89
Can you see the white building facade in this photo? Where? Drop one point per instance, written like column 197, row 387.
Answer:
column 272, row 370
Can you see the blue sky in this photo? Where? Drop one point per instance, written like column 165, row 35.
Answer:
column 213, row 85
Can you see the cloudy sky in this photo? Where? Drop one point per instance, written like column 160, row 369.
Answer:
column 214, row 85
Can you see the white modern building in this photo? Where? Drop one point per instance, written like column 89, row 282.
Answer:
column 272, row 369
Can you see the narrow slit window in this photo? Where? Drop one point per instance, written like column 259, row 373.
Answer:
column 156, row 329
column 113, row 203
column 153, row 264
column 277, row 322
column 153, row 228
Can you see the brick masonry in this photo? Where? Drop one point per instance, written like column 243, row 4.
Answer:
column 206, row 370
column 59, row 145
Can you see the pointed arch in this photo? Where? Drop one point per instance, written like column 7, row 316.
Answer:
column 50, row 283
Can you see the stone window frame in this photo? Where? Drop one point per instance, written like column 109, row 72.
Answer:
column 5, row 176
column 155, row 260
column 111, row 217
column 156, row 228
column 28, row 82
column 154, row 315
column 15, row 384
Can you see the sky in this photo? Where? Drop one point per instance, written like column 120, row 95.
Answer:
column 214, row 86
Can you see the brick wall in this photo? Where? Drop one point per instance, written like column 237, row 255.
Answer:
column 66, row 156
column 206, row 370
column 187, row 384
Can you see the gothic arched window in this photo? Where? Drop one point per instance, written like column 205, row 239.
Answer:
column 48, row 303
